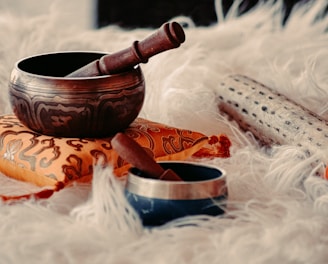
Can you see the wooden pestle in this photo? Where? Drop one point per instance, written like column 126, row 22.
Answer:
column 133, row 153
column 168, row 36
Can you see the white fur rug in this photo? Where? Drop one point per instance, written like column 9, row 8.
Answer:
column 278, row 206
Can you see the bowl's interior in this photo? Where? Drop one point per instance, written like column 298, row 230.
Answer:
column 57, row 64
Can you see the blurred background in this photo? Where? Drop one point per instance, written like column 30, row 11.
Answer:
column 131, row 13
column 150, row 13
column 82, row 13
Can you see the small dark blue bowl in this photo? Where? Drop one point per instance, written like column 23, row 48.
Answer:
column 160, row 201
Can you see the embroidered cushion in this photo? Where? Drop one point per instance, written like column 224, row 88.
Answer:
column 56, row 161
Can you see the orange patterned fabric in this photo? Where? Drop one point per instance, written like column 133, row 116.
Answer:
column 53, row 161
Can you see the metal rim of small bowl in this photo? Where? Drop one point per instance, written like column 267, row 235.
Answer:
column 178, row 190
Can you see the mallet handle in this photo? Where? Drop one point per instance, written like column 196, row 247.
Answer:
column 168, row 36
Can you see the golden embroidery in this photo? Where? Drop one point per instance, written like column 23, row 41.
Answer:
column 12, row 148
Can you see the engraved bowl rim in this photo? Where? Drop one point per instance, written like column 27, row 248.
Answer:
column 44, row 83
column 16, row 66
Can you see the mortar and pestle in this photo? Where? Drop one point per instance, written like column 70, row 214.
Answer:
column 86, row 94
column 164, row 191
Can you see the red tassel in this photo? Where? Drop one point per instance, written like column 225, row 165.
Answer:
column 44, row 194
column 219, row 147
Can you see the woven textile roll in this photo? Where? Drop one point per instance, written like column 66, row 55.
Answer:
column 270, row 116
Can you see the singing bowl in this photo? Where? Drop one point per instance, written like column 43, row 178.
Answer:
column 46, row 101
column 159, row 201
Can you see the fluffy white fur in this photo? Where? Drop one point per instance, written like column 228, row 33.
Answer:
column 278, row 205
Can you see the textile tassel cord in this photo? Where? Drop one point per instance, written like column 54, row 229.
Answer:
column 272, row 117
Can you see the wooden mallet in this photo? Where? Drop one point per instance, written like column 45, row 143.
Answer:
column 168, row 36
column 133, row 153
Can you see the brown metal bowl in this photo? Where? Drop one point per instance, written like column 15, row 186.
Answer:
column 51, row 104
